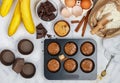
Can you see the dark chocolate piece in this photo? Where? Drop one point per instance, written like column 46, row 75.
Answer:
column 49, row 36
column 40, row 10
column 28, row 70
column 25, row 46
column 52, row 16
column 41, row 13
column 45, row 18
column 50, row 7
column 7, row 57
column 18, row 65
column 40, row 26
column 41, row 31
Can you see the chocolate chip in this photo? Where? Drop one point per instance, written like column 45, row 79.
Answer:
column 50, row 6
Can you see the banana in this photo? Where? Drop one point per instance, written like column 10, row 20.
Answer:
column 26, row 16
column 5, row 7
column 16, row 19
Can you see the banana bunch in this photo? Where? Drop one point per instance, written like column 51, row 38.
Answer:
column 22, row 13
column 5, row 7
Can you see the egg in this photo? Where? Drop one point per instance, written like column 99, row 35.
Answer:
column 70, row 3
column 86, row 4
column 66, row 13
column 77, row 11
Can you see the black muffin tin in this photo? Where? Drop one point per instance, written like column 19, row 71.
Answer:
column 62, row 74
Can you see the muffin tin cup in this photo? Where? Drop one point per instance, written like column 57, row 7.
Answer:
column 91, row 69
column 56, row 53
column 76, row 49
column 90, row 53
column 59, row 66
column 78, row 74
column 74, row 69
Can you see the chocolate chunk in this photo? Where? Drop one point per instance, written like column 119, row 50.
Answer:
column 28, row 70
column 49, row 36
column 7, row 57
column 48, row 3
column 45, row 18
column 52, row 16
column 18, row 65
column 50, row 6
column 40, row 26
column 41, row 31
column 41, row 13
column 40, row 10
column 25, row 46
column 47, row 9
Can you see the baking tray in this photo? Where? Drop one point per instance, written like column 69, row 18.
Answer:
column 62, row 74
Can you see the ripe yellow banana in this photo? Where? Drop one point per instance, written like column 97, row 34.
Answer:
column 5, row 7
column 26, row 16
column 15, row 22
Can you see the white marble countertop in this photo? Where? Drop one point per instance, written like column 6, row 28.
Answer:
column 7, row 75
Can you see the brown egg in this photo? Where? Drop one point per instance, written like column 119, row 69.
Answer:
column 70, row 3
column 86, row 4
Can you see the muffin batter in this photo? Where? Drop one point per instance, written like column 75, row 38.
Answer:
column 61, row 28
